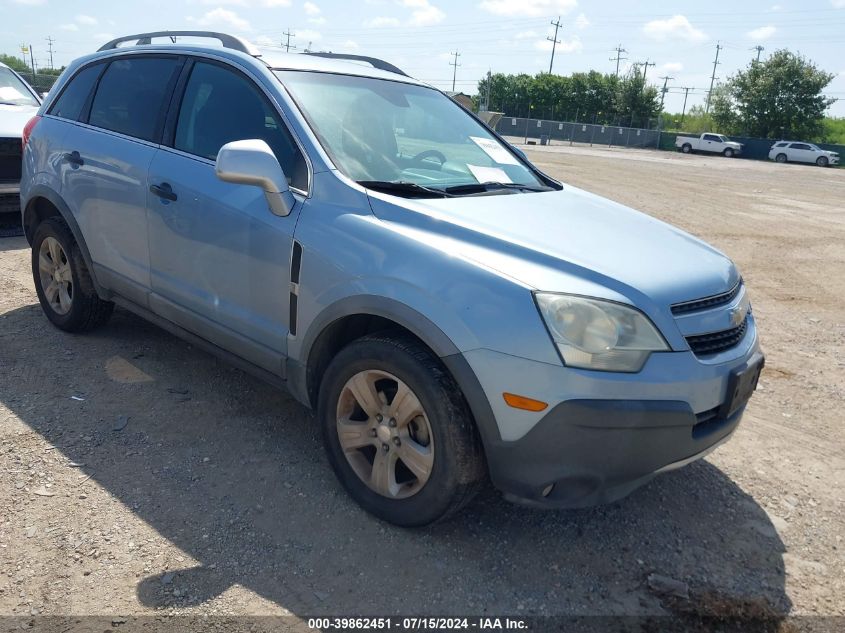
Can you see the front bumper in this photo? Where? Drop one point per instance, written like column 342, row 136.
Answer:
column 605, row 434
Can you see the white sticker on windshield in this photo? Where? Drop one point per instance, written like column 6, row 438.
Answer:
column 489, row 174
column 494, row 150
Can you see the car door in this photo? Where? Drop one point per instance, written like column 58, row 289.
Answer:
column 220, row 260
column 105, row 162
column 712, row 143
column 801, row 152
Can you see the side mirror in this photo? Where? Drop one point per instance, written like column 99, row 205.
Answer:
column 252, row 162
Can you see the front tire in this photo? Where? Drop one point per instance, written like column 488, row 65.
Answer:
column 728, row 152
column 62, row 281
column 398, row 432
column 822, row 161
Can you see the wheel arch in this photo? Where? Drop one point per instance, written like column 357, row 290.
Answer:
column 354, row 317
column 43, row 203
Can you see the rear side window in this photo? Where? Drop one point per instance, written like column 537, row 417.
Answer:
column 711, row 137
column 70, row 103
column 800, row 146
column 221, row 106
column 781, row 144
column 131, row 95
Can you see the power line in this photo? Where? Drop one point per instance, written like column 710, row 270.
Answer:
column 455, row 70
column 645, row 66
column 712, row 78
column 554, row 42
column 619, row 50
column 287, row 44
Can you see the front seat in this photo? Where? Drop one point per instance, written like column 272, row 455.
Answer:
column 369, row 140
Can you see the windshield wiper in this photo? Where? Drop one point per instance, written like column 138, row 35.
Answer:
column 483, row 187
column 400, row 187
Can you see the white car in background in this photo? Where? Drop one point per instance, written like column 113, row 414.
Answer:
column 797, row 152
column 18, row 104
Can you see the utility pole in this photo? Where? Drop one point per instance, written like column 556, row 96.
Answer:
column 455, row 70
column 664, row 90
column 32, row 62
column 645, row 68
column 619, row 50
column 554, row 42
column 759, row 50
column 489, row 87
column 684, row 111
column 50, row 41
column 712, row 78
column 287, row 43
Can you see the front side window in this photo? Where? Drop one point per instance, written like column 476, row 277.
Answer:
column 221, row 106
column 13, row 91
column 381, row 131
column 72, row 99
column 131, row 96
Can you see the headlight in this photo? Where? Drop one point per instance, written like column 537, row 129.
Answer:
column 600, row 335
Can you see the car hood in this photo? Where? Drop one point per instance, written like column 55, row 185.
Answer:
column 13, row 118
column 733, row 144
column 568, row 241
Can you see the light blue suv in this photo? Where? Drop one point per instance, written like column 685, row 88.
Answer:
column 335, row 226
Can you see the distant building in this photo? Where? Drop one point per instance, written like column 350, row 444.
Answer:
column 464, row 99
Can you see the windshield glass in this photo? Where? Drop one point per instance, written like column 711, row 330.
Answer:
column 724, row 139
column 13, row 91
column 388, row 131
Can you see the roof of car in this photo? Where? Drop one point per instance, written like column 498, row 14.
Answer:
column 270, row 59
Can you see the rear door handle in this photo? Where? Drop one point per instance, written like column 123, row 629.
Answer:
column 164, row 191
column 74, row 158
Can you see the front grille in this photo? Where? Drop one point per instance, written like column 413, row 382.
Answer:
column 11, row 152
column 707, row 302
column 706, row 344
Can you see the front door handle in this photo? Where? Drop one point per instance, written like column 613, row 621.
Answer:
column 74, row 158
column 164, row 191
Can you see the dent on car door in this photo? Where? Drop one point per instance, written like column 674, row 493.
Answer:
column 220, row 260
column 105, row 168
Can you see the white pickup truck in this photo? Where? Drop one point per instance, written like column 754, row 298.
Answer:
column 714, row 143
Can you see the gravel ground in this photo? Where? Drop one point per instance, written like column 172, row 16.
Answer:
column 141, row 476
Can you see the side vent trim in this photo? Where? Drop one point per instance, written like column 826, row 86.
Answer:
column 295, row 267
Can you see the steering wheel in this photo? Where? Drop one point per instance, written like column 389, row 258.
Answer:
column 429, row 153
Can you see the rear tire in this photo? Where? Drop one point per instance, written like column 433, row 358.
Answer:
column 433, row 430
column 686, row 148
column 62, row 281
column 781, row 158
column 822, row 161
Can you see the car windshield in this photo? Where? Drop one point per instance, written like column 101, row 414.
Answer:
column 381, row 131
column 724, row 139
column 13, row 91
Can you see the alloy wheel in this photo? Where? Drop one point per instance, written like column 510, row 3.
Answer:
column 55, row 275
column 385, row 434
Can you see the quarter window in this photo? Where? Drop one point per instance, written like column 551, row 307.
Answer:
column 70, row 103
column 131, row 95
column 221, row 106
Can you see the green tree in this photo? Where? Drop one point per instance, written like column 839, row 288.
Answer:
column 781, row 97
column 15, row 63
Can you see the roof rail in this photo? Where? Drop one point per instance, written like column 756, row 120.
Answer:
column 228, row 41
column 372, row 61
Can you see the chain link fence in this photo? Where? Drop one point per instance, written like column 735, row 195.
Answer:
column 542, row 132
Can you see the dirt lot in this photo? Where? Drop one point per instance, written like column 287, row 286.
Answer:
column 139, row 475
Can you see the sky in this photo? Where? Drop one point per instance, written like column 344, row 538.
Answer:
column 509, row 36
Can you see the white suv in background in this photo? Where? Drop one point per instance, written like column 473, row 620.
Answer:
column 18, row 103
column 796, row 152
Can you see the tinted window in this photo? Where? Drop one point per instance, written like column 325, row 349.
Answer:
column 221, row 106
column 711, row 137
column 800, row 146
column 131, row 94
column 70, row 103
column 780, row 144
